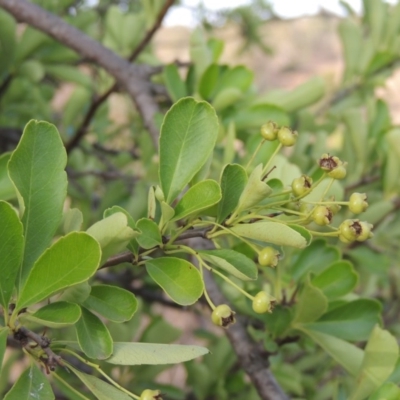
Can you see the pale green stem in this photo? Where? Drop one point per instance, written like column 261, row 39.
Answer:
column 209, row 301
column 69, row 386
column 327, row 234
column 255, row 153
column 265, row 169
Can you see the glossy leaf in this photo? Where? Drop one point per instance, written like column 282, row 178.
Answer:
column 233, row 262
column 11, row 250
column 188, row 136
column 255, row 190
column 101, row 389
column 175, row 85
column 271, row 232
column 93, row 336
column 3, row 343
column 337, row 280
column 380, row 357
column 150, row 235
column 388, row 391
column 309, row 260
column 57, row 315
column 350, row 321
column 72, row 259
column 126, row 353
column 36, row 168
column 179, row 278
column 7, row 189
column 199, row 197
column 112, row 302
column 311, row 304
column 31, row 385
column 346, row 354
column 76, row 294
column 112, row 233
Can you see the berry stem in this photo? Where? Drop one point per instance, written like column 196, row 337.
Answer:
column 255, row 153
column 265, row 169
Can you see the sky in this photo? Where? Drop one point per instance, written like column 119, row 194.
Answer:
column 284, row 8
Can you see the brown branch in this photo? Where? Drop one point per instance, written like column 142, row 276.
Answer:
column 81, row 131
column 118, row 259
column 133, row 78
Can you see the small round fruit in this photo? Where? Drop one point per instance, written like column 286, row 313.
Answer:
column 301, row 185
column 329, row 163
column 338, row 172
column 150, row 395
column 287, row 137
column 358, row 203
column 347, row 230
column 269, row 131
column 268, row 257
column 223, row 316
column 322, row 215
column 366, row 231
column 263, row 302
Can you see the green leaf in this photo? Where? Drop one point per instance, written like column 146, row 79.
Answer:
column 350, row 321
column 126, row 353
column 388, row 391
column 179, row 278
column 57, row 315
column 255, row 190
column 198, row 198
column 233, row 181
column 102, row 390
column 93, row 336
column 76, row 294
column 346, row 354
column 31, row 385
column 3, row 343
column 188, row 136
column 133, row 245
column 309, row 260
column 271, row 232
column 112, row 233
column 69, row 74
column 233, row 262
column 226, row 97
column 8, row 45
column 11, row 250
column 72, row 259
column 238, row 77
column 337, row 280
column 36, row 168
column 112, row 302
column 208, row 81
column 380, row 357
column 303, row 232
column 175, row 85
column 150, row 233
column 311, row 304
column 7, row 189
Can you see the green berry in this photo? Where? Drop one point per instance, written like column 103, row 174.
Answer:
column 263, row 302
column 353, row 229
column 268, row 256
column 322, row 215
column 287, row 137
column 338, row 172
column 269, row 131
column 301, row 186
column 366, row 231
column 150, row 395
column 223, row 316
column 358, row 203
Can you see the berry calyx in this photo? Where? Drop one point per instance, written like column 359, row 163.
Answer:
column 268, row 257
column 358, row 203
column 223, row 316
column 269, row 131
column 287, row 137
column 148, row 394
column 263, row 302
column 322, row 215
column 329, row 163
column 301, row 185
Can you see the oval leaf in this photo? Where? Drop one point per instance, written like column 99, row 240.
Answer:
column 199, row 197
column 36, row 168
column 57, row 315
column 233, row 181
column 11, row 250
column 150, row 233
column 188, row 136
column 72, row 259
column 93, row 336
column 112, row 302
column 31, row 385
column 127, row 353
column 3, row 343
column 233, row 262
column 179, row 278
column 271, row 232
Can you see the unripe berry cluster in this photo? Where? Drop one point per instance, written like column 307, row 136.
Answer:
column 286, row 136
